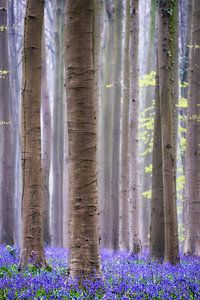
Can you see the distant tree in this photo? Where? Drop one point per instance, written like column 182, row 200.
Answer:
column 147, row 94
column 116, row 100
column 135, row 244
column 46, row 142
column 192, row 243
column 106, row 117
column 84, row 258
column 7, row 147
column 32, row 249
column 124, row 154
column 168, row 81
column 58, row 127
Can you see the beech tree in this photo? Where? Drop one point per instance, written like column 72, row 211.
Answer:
column 192, row 243
column 82, row 139
column 7, row 150
column 157, row 231
column 167, row 49
column 124, row 154
column 32, row 196
column 58, row 127
column 133, row 135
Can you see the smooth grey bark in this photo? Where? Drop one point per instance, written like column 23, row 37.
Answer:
column 124, row 154
column 58, row 128
column 117, row 53
column 135, row 244
column 192, row 242
column 7, row 136
column 157, row 231
column 167, row 51
column 105, row 144
column 46, row 145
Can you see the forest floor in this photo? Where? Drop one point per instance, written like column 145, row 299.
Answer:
column 125, row 277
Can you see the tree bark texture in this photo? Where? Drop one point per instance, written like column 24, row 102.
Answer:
column 105, row 146
column 58, row 128
column 192, row 243
column 116, row 124
column 7, row 126
column 147, row 95
column 46, row 144
column 32, row 250
column 124, row 154
column 167, row 48
column 82, row 139
column 135, row 244
column 157, row 232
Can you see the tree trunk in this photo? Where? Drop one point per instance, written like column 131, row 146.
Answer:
column 135, row 244
column 147, row 94
column 116, row 124
column 192, row 243
column 58, row 128
column 46, row 144
column 32, row 197
column 7, row 127
column 16, row 14
column 84, row 258
column 157, row 203
column 124, row 171
column 167, row 49
column 106, row 116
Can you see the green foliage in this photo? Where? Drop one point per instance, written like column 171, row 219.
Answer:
column 183, row 103
column 3, row 73
column 3, row 27
column 147, row 194
column 148, row 79
column 180, row 183
column 149, row 169
column 146, row 130
column 4, row 294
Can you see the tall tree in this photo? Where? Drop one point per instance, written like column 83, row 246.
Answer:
column 7, row 150
column 46, row 142
column 32, row 197
column 135, row 245
column 58, row 127
column 192, row 243
column 117, row 54
column 147, row 94
column 105, row 146
column 124, row 154
column 82, row 139
column 157, row 233
column 16, row 11
column 167, row 49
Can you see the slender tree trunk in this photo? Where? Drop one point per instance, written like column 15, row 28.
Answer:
column 167, row 48
column 135, row 244
column 157, row 232
column 192, row 243
column 81, row 111
column 32, row 249
column 124, row 171
column 58, row 127
column 106, row 132
column 7, row 191
column 147, row 94
column 116, row 124
column 16, row 16
column 46, row 144
column 98, row 28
